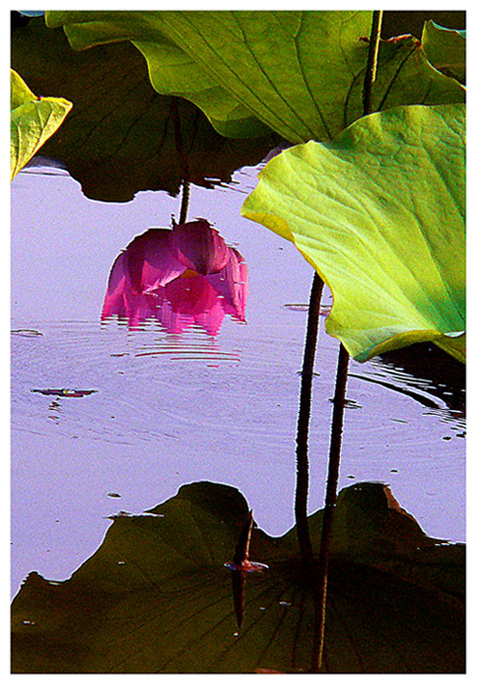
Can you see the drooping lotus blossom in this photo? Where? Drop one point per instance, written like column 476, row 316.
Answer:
column 182, row 277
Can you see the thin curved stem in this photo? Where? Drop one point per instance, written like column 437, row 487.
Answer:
column 302, row 466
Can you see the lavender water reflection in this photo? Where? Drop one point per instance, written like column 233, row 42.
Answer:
column 182, row 277
column 172, row 409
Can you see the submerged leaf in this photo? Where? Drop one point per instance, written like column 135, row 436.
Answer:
column 33, row 120
column 156, row 597
column 299, row 73
column 380, row 214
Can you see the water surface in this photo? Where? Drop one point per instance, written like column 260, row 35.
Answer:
column 169, row 410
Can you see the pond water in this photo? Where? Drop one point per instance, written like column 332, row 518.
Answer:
column 174, row 409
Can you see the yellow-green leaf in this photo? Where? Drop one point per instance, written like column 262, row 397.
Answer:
column 380, row 214
column 33, row 120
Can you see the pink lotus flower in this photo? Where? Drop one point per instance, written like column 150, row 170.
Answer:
column 181, row 277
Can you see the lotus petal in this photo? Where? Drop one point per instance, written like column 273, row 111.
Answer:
column 232, row 284
column 181, row 277
column 199, row 246
column 191, row 301
column 151, row 262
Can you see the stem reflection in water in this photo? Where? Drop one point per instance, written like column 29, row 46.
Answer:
column 302, row 467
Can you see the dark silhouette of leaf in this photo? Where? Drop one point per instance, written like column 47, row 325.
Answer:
column 122, row 136
column 156, row 596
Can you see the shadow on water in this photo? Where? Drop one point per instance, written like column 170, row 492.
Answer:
column 433, row 370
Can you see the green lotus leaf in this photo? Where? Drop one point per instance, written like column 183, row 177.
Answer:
column 445, row 49
column 156, row 597
column 32, row 121
column 380, row 214
column 123, row 137
column 298, row 73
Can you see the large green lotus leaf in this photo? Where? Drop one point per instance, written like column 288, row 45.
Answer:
column 32, row 121
column 157, row 598
column 299, row 73
column 122, row 136
column 445, row 49
column 380, row 214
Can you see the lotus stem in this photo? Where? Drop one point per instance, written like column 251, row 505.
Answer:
column 330, row 504
column 321, row 587
column 184, row 201
column 302, row 466
column 372, row 64
column 184, row 165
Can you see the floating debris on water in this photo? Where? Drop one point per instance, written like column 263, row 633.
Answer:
column 26, row 332
column 325, row 309
column 246, row 566
column 128, row 514
column 63, row 392
column 349, row 404
column 297, row 307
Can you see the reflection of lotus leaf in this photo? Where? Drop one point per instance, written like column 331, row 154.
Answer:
column 181, row 277
column 298, row 72
column 124, row 137
column 157, row 598
column 33, row 121
column 380, row 214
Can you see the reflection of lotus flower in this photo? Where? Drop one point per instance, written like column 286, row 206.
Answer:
column 183, row 276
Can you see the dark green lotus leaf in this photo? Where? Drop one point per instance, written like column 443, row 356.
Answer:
column 122, row 136
column 380, row 214
column 157, row 598
column 445, row 49
column 298, row 72
column 32, row 121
